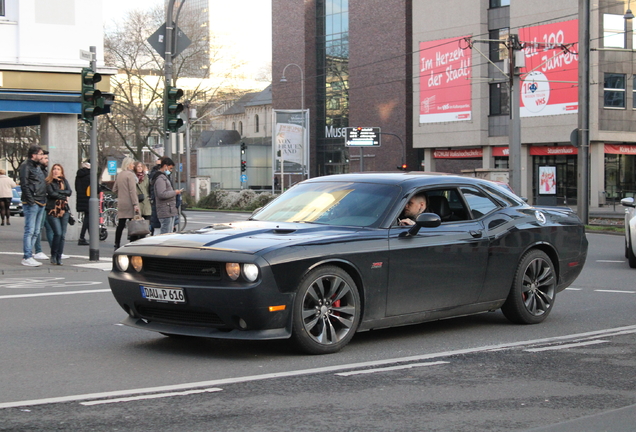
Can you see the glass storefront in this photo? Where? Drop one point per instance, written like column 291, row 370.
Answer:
column 620, row 176
column 566, row 173
column 332, row 102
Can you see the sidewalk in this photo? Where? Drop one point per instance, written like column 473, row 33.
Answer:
column 11, row 247
column 11, row 253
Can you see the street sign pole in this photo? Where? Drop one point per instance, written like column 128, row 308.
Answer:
column 167, row 147
column 93, row 201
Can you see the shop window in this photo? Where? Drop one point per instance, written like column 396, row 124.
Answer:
column 498, row 50
column 614, row 86
column 613, row 31
column 499, row 99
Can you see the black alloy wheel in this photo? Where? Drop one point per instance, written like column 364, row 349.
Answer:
column 631, row 257
column 533, row 290
column 326, row 311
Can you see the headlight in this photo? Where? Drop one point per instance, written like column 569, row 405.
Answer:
column 122, row 262
column 233, row 270
column 136, row 262
column 250, row 271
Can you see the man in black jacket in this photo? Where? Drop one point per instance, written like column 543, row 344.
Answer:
column 33, row 188
column 82, row 189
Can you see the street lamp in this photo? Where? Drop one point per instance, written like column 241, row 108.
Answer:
column 302, row 112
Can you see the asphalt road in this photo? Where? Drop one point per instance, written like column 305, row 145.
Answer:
column 67, row 365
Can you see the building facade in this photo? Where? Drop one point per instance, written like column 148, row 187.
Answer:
column 436, row 81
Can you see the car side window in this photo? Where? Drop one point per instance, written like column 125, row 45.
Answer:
column 478, row 202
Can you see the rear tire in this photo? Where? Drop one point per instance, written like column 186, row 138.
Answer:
column 533, row 290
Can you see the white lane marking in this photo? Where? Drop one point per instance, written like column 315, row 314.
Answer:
column 574, row 289
column 566, row 346
column 250, row 378
column 615, row 291
column 609, row 261
column 153, row 396
column 53, row 294
column 391, row 368
column 106, row 266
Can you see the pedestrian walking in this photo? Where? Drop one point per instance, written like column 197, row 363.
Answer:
column 33, row 184
column 83, row 191
column 6, row 194
column 166, row 196
column 57, row 210
column 38, row 253
column 127, row 199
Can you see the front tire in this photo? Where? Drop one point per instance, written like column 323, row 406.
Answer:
column 326, row 311
column 533, row 290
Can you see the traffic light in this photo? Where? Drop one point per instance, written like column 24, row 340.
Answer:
column 403, row 167
column 243, row 148
column 243, row 166
column 173, row 109
column 92, row 100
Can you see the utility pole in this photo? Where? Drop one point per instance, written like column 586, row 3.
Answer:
column 514, row 127
column 583, row 160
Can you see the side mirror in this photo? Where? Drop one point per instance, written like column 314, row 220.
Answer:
column 628, row 202
column 424, row 220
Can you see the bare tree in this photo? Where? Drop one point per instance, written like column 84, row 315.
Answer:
column 136, row 119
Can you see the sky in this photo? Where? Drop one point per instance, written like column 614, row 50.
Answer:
column 248, row 21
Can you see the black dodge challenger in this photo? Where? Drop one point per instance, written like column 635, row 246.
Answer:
column 329, row 258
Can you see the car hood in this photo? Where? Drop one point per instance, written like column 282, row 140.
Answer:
column 250, row 236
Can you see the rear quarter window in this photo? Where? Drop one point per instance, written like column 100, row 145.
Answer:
column 478, row 202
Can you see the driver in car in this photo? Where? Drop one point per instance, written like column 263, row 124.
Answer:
column 416, row 206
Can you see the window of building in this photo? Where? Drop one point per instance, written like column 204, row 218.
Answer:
column 240, row 129
column 499, row 3
column 614, row 86
column 233, row 125
column 498, row 50
column 2, row 10
column 499, row 99
column 256, row 123
column 613, row 31
column 634, row 92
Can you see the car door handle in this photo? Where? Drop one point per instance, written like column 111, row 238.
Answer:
column 476, row 234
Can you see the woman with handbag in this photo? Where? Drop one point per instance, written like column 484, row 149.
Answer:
column 57, row 211
column 142, row 190
column 127, row 198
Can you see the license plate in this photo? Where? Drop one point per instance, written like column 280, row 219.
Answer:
column 172, row 295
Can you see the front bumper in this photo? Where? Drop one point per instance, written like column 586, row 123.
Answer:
column 213, row 310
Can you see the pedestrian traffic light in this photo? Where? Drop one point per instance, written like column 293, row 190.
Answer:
column 243, row 166
column 92, row 100
column 173, row 109
column 403, row 167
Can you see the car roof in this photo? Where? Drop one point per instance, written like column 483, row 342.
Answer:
column 406, row 179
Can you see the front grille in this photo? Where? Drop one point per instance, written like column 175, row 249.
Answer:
column 180, row 316
column 208, row 270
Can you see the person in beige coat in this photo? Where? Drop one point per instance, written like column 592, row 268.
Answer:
column 127, row 201
column 6, row 193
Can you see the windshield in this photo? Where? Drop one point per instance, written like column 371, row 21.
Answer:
column 331, row 203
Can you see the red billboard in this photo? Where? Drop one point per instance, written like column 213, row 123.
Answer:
column 445, row 80
column 549, row 80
